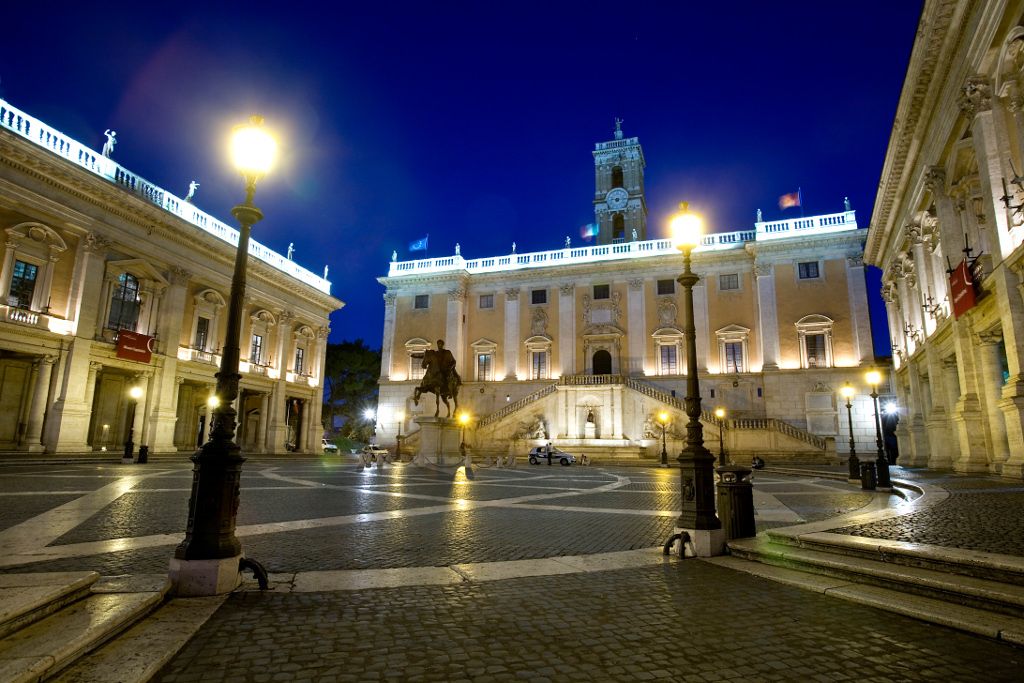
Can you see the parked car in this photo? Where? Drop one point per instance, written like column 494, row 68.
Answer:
column 374, row 450
column 540, row 454
column 329, row 447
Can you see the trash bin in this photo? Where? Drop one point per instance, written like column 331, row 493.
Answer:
column 868, row 476
column 736, row 501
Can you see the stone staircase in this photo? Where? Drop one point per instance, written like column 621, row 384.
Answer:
column 50, row 622
column 976, row 592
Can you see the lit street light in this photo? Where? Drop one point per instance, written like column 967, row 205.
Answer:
column 720, row 416
column 663, row 419
column 134, row 394
column 853, row 475
column 399, row 417
column 463, row 418
column 208, row 561
column 874, row 378
column 696, row 471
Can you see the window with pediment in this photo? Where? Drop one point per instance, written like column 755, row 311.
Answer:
column 815, row 333
column 732, row 348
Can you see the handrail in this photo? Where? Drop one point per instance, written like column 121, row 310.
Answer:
column 665, row 397
column 516, row 405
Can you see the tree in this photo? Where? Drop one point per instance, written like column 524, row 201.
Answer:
column 351, row 372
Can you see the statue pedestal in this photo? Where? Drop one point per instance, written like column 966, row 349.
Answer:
column 589, row 430
column 439, row 442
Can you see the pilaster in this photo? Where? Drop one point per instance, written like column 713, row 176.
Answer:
column 387, row 345
column 767, row 315
column 512, row 333
column 567, row 328
column 636, row 339
column 454, row 330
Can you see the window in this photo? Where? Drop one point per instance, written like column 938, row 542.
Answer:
column 733, row 353
column 602, row 292
column 202, row 333
column 618, row 228
column 808, row 270
column 730, row 281
column 23, row 284
column 256, row 350
column 422, row 301
column 484, row 367
column 415, row 349
column 124, row 306
column 669, row 363
column 486, row 301
column 666, row 287
column 300, row 360
column 616, row 176
column 538, row 365
column 539, row 296
column 816, row 357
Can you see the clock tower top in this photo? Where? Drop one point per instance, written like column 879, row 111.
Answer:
column 620, row 209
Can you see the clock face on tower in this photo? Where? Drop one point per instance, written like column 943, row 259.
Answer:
column 617, row 198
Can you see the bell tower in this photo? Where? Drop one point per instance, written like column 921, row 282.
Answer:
column 620, row 209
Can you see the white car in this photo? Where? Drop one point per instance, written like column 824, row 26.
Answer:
column 540, row 454
column 374, row 450
column 328, row 446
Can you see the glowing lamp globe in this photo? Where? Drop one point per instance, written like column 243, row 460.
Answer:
column 891, row 409
column 463, row 419
column 253, row 148
column 663, row 417
column 135, row 393
column 686, row 228
column 368, row 413
column 719, row 413
column 847, row 391
column 213, row 401
column 873, row 377
column 399, row 415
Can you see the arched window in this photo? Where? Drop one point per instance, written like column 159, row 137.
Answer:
column 618, row 228
column 602, row 362
column 124, row 305
column 617, row 176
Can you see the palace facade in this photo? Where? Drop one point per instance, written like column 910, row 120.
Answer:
column 585, row 346
column 947, row 231
column 110, row 283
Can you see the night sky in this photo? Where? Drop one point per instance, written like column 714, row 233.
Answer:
column 473, row 122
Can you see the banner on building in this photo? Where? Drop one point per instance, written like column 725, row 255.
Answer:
column 134, row 346
column 961, row 288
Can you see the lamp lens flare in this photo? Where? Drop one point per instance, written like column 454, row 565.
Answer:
column 873, row 377
column 369, row 414
column 253, row 148
column 847, row 391
column 686, row 229
column 891, row 409
column 135, row 393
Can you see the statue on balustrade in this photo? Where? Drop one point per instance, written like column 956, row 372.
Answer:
column 108, row 146
column 440, row 378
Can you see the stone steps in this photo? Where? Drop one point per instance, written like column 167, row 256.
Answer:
column 56, row 619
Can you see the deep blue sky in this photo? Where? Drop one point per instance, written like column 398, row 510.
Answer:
column 473, row 122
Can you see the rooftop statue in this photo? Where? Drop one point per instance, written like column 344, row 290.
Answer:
column 291, row 250
column 394, row 255
column 440, row 379
column 192, row 187
column 108, row 146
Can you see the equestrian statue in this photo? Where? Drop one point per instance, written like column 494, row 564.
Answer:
column 440, row 378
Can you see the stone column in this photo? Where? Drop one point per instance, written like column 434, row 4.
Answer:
column 285, row 324
column 967, row 416
column 991, row 384
column 143, row 421
column 567, row 328
column 37, row 407
column 163, row 402
column 8, row 269
column 512, row 333
column 943, row 458
column 455, row 339
column 637, row 337
column 915, row 413
column 264, row 421
column 767, row 316
column 387, row 345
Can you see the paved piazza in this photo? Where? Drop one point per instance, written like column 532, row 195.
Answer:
column 644, row 618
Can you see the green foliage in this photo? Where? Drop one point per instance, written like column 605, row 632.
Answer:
column 351, row 372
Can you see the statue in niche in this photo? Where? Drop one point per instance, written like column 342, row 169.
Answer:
column 538, row 431
column 108, row 146
column 650, row 430
column 590, row 416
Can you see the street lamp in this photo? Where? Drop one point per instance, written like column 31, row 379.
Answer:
column 207, row 561
column 847, row 391
column 464, row 418
column 720, row 416
column 371, row 415
column 696, row 471
column 399, row 417
column 874, row 378
column 663, row 419
column 134, row 394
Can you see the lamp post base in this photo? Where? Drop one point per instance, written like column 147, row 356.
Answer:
column 702, row 543
column 194, row 578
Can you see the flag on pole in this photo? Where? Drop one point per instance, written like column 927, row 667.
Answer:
column 788, row 201
column 589, row 231
column 419, row 245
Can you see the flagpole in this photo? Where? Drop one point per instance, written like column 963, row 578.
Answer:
column 800, row 200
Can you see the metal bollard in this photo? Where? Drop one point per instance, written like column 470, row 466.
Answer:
column 143, row 455
column 736, row 501
column 868, row 478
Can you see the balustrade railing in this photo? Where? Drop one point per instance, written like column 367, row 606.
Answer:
column 590, row 380
column 515, row 405
column 34, row 130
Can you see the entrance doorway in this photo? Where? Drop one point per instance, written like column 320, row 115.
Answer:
column 602, row 362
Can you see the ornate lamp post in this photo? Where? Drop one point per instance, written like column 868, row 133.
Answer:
column 696, row 463
column 874, row 378
column 463, row 418
column 207, row 561
column 663, row 420
column 847, row 391
column 134, row 394
column 720, row 416
column 399, row 417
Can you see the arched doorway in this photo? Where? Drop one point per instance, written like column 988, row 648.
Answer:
column 602, row 363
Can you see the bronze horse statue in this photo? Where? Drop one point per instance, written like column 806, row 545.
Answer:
column 440, row 379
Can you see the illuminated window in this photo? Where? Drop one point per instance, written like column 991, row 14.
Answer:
column 415, row 349
column 539, row 296
column 668, row 342
column 256, row 349
column 602, row 292
column 808, row 270
column 669, row 362
column 23, row 284
column 730, row 281
column 125, row 303
column 732, row 348
column 422, row 301
column 202, row 333
column 486, row 301
column 538, row 364
column 666, row 287
column 815, row 345
column 815, row 334
column 484, row 367
column 300, row 360
column 733, row 354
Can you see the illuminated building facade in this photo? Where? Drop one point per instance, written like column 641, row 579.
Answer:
column 584, row 345
column 947, row 232
column 110, row 282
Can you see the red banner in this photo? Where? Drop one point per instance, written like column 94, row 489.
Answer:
column 961, row 287
column 134, row 346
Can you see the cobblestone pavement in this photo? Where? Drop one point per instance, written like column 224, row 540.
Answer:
column 127, row 519
column 682, row 621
